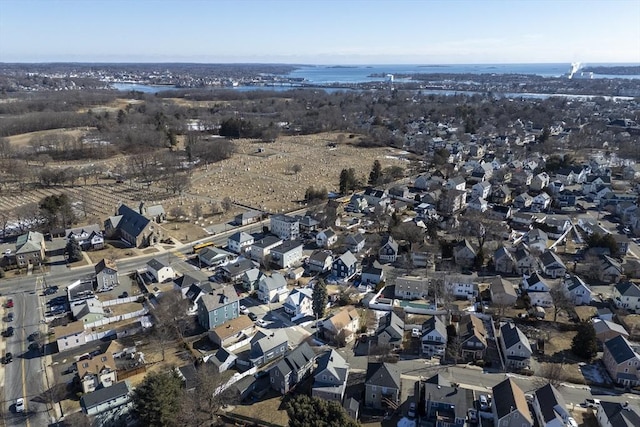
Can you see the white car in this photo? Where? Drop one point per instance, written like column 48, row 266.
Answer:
column 20, row 405
column 262, row 322
column 243, row 309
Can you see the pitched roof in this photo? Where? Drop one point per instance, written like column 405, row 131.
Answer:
column 267, row 241
column 393, row 325
column 347, row 258
column 621, row 414
column 29, row 242
column 507, row 396
column 261, row 343
column 628, row 289
column 343, row 317
column 354, row 239
column 275, row 281
column 550, row 257
column 131, row 222
column 383, row 375
column 241, row 237
column 439, row 379
column 220, row 297
column 620, row 349
column 232, row 327
column 297, row 359
column 471, row 325
column 434, row 323
column 605, row 325
column 573, row 282
column 104, row 264
column 96, row 364
column 500, row 286
column 106, row 394
column 287, row 246
column 156, row 264
column 550, row 402
column 511, row 336
column 333, row 362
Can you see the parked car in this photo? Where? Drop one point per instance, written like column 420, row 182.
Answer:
column 253, row 316
column 10, row 303
column 125, row 294
column 484, row 403
column 8, row 332
column 20, row 405
column 7, row 358
column 243, row 309
column 10, row 316
column 591, row 403
column 262, row 322
column 51, row 290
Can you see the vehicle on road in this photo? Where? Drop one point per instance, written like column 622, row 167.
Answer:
column 591, row 403
column 7, row 358
column 10, row 316
column 51, row 290
column 20, row 405
column 10, row 303
column 243, row 309
column 125, row 294
column 8, row 332
column 253, row 316
column 484, row 403
column 262, row 322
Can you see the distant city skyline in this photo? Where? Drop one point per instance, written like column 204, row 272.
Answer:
column 321, row 32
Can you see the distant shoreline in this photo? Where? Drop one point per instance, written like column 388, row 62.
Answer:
column 618, row 70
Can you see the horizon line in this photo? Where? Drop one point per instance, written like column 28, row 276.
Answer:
column 314, row 64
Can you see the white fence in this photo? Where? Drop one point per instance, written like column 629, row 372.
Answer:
column 117, row 301
column 117, row 318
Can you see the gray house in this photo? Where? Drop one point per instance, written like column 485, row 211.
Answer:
column 330, row 378
column 106, row 274
column 344, row 266
column 106, row 399
column 382, row 386
column 218, row 307
column 265, row 348
column 390, row 330
column 293, row 368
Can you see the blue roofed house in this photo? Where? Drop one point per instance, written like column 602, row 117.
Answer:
column 267, row 346
column 516, row 348
column 344, row 266
column 330, row 377
column 218, row 307
column 272, row 288
column 133, row 227
column 390, row 330
column 354, row 242
column 293, row 368
column 622, row 361
column 299, row 303
column 618, row 414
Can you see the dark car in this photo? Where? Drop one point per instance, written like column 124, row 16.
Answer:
column 253, row 316
column 124, row 295
column 51, row 290
column 8, row 358
column 8, row 332
column 10, row 316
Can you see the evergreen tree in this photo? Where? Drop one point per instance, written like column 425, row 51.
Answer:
column 376, row 173
column 348, row 181
column 157, row 400
column 585, row 343
column 74, row 251
column 305, row 411
column 320, row 298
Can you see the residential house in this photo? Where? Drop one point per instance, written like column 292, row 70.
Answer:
column 70, row 336
column 481, row 190
column 426, row 211
column 214, row 257
column 388, row 251
column 30, row 249
column 268, row 346
column 240, row 242
column 502, row 292
column 456, row 183
column 262, row 248
column 233, row 331
column 526, row 220
column 97, row 372
column 621, row 361
column 308, row 224
column 160, row 270
column 606, row 330
column 344, row 266
column 292, row 369
column 372, row 274
column 538, row 290
column 89, row 237
column 522, row 177
column 576, row 290
column 107, row 399
column 452, row 202
column 463, row 254
column 330, row 377
column 541, row 202
column 326, row 238
column 354, row 242
column 516, row 349
column 247, row 217
column 390, row 330
column 287, row 254
column 618, row 414
column 222, row 359
column 352, row 408
column 626, row 295
column 526, row 263
column 473, row 337
column 193, row 285
column 234, row 271
column 594, row 182
column 557, row 225
column 623, row 243
column 357, row 203
column 610, row 270
column 342, row 326
column 285, row 227
column 478, row 204
column 500, row 194
column 540, row 181
column 218, row 307
column 299, row 303
column 550, row 407
column 537, row 240
column 504, row 261
column 272, row 288
column 445, row 404
column 88, row 311
column 382, row 386
column 411, row 287
column 320, row 261
column 133, row 227
column 510, row 408
column 551, row 265
column 434, row 337
column 460, row 286
column 375, row 196
column 106, row 274
column 423, row 256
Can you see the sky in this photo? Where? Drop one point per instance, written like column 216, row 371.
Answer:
column 321, row 31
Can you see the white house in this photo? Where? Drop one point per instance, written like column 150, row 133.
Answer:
column 534, row 283
column 262, row 248
column 552, row 265
column 411, row 287
column 299, row 303
column 576, row 290
column 434, row 337
column 239, row 242
column 461, row 286
column 160, row 271
column 481, row 189
column 285, row 227
column 326, row 238
column 272, row 288
column 287, row 253
column 320, row 261
column 626, row 295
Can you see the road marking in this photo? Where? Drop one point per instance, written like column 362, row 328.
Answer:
column 180, row 255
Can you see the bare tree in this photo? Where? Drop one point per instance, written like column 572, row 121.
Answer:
column 551, row 373
column 227, row 204
column 171, row 319
column 296, row 168
column 177, row 212
column 197, row 210
column 215, row 208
